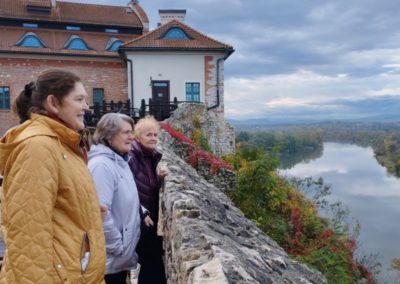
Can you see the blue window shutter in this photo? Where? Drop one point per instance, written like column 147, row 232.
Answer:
column 193, row 92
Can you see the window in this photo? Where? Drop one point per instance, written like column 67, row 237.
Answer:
column 75, row 42
column 30, row 40
column 30, row 25
column 175, row 33
column 111, row 30
column 98, row 96
column 113, row 44
column 73, row 28
column 193, row 92
column 4, row 98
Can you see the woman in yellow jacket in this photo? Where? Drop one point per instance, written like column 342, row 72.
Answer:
column 51, row 217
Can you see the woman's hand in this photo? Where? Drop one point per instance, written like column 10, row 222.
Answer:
column 163, row 173
column 148, row 222
column 162, row 170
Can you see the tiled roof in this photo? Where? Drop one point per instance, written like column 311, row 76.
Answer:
column 42, row 3
column 55, row 41
column 197, row 41
column 67, row 12
column 141, row 12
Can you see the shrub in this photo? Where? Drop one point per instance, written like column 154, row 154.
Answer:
column 291, row 219
column 195, row 151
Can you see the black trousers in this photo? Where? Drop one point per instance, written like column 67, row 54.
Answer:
column 150, row 254
column 116, row 278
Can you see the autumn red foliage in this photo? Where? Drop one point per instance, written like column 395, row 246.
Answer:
column 195, row 153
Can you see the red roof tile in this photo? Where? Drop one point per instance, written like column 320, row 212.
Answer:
column 197, row 41
column 141, row 12
column 55, row 41
column 41, row 3
column 71, row 13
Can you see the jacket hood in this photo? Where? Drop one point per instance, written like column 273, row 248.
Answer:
column 38, row 125
column 105, row 151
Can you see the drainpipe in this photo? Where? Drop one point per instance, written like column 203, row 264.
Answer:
column 128, row 62
column 131, row 80
column 218, row 89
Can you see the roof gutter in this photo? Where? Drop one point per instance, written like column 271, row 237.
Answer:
column 218, row 87
column 186, row 49
column 122, row 54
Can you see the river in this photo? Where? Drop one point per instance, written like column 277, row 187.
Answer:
column 364, row 186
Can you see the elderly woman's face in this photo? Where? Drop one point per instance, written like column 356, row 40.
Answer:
column 121, row 142
column 149, row 138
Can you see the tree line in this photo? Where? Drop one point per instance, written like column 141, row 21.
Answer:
column 384, row 138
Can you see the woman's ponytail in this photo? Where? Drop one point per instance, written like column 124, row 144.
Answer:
column 23, row 102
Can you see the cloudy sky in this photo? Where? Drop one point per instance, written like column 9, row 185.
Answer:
column 300, row 59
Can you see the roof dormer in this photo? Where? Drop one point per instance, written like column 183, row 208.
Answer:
column 31, row 40
column 77, row 43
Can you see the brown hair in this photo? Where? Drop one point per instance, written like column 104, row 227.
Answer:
column 51, row 82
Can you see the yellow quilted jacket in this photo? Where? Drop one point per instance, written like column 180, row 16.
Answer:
column 50, row 209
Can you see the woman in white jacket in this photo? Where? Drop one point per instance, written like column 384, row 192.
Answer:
column 117, row 190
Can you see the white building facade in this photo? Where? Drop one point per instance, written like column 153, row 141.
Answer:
column 175, row 61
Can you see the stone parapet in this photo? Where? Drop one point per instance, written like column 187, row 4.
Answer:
column 208, row 240
column 220, row 135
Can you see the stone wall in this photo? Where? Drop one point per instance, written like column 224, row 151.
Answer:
column 223, row 178
column 208, row 240
column 220, row 135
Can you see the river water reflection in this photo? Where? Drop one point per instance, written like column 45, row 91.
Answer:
column 373, row 197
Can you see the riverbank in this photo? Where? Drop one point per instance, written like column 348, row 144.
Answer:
column 359, row 182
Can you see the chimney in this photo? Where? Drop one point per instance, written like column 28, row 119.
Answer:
column 168, row 15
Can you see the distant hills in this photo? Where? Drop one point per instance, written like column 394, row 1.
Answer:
column 372, row 109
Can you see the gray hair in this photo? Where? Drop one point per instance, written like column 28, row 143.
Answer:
column 108, row 126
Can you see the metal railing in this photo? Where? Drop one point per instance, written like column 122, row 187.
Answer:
column 159, row 110
column 93, row 116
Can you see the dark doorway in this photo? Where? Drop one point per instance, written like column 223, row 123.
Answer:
column 159, row 106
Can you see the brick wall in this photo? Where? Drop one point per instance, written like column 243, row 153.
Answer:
column 109, row 75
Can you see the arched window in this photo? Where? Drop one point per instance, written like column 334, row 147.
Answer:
column 113, row 44
column 75, row 42
column 175, row 33
column 30, row 40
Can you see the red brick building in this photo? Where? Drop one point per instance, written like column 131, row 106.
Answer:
column 39, row 34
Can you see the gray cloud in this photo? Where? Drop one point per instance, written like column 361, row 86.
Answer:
column 308, row 51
